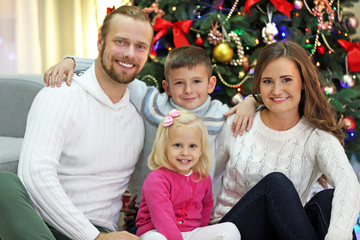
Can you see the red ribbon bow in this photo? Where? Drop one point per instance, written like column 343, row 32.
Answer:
column 109, row 10
column 282, row 6
column 179, row 30
column 353, row 58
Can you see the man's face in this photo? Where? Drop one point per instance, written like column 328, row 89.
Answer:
column 125, row 49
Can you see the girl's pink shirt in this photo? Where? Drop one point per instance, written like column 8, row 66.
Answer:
column 173, row 203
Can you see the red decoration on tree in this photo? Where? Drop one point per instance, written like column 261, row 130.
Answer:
column 109, row 10
column 179, row 30
column 199, row 41
column 246, row 63
column 353, row 57
column 282, row 6
column 320, row 50
column 349, row 123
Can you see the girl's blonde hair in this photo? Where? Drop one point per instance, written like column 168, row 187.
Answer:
column 157, row 157
column 313, row 104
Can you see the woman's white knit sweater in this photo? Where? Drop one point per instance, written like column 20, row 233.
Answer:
column 302, row 154
column 78, row 153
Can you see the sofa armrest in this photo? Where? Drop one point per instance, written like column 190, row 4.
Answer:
column 17, row 92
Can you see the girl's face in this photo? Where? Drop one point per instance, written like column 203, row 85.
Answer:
column 183, row 149
column 280, row 87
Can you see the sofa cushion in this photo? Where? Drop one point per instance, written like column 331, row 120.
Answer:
column 9, row 154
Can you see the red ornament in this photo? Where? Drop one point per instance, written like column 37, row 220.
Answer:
column 320, row 50
column 349, row 123
column 246, row 64
column 282, row 6
column 199, row 41
column 126, row 197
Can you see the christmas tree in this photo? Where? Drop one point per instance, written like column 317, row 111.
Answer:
column 234, row 32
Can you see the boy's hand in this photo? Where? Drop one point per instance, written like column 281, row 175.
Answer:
column 244, row 115
column 55, row 74
column 130, row 213
column 123, row 235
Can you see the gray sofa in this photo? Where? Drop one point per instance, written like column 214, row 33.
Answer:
column 17, row 92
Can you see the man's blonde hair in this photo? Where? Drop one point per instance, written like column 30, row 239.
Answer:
column 133, row 12
column 157, row 157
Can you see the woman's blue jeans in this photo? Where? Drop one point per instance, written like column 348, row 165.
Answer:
column 272, row 209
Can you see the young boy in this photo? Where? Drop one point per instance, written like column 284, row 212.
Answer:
column 188, row 83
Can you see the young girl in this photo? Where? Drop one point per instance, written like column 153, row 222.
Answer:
column 177, row 197
column 294, row 139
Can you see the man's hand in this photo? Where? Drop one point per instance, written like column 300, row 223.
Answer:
column 244, row 115
column 55, row 74
column 130, row 213
column 123, row 235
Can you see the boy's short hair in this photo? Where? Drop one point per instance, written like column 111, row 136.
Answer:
column 187, row 56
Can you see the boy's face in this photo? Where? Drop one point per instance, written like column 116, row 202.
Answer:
column 189, row 87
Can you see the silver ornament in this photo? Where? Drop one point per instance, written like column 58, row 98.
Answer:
column 236, row 99
column 352, row 22
column 298, row 4
column 347, row 81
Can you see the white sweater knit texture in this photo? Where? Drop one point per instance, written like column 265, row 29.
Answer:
column 78, row 154
column 302, row 154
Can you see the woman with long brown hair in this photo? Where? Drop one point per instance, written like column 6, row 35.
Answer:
column 294, row 140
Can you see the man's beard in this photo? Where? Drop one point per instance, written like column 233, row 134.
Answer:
column 119, row 78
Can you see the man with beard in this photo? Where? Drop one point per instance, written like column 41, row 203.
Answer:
column 81, row 144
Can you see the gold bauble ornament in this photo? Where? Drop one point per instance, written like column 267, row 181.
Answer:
column 254, row 63
column 223, row 52
column 242, row 74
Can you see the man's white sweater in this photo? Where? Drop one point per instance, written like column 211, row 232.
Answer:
column 302, row 154
column 78, row 154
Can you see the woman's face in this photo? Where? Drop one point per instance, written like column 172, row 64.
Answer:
column 280, row 87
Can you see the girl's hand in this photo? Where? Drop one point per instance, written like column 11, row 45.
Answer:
column 244, row 115
column 54, row 75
